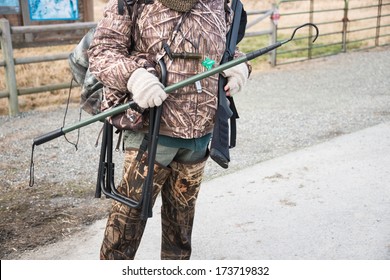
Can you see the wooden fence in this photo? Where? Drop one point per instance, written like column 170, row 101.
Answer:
column 345, row 25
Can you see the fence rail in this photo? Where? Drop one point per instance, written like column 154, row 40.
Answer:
column 9, row 62
column 359, row 26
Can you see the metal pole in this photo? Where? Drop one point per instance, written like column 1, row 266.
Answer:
column 10, row 79
column 121, row 108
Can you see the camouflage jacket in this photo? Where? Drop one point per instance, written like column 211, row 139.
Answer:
column 120, row 46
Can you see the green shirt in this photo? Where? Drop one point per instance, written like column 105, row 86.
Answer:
column 194, row 144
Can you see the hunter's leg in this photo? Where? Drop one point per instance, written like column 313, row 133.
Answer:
column 179, row 195
column 125, row 227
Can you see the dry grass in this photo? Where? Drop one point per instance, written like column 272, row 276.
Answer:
column 39, row 74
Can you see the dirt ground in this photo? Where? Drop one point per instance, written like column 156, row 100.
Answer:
column 32, row 217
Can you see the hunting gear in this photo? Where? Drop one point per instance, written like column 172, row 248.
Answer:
column 167, row 153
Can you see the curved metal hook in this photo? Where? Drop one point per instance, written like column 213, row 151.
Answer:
column 303, row 25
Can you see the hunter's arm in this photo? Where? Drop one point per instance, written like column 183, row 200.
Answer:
column 109, row 56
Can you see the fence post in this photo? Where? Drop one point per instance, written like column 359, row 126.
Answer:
column 310, row 39
column 274, row 34
column 345, row 26
column 10, row 79
column 378, row 23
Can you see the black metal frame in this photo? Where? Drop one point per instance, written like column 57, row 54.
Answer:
column 105, row 180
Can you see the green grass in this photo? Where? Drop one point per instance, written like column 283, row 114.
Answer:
column 296, row 49
column 249, row 44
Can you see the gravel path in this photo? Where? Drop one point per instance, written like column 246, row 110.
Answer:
column 281, row 110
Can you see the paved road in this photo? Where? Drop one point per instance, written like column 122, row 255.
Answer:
column 308, row 180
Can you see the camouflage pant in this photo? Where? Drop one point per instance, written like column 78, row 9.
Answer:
column 179, row 185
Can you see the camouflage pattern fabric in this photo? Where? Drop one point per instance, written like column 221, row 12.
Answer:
column 179, row 185
column 124, row 227
column 179, row 195
column 179, row 5
column 91, row 89
column 186, row 113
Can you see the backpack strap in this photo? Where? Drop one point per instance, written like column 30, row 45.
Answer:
column 227, row 7
column 121, row 7
column 125, row 3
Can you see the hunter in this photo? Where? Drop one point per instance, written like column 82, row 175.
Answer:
column 124, row 56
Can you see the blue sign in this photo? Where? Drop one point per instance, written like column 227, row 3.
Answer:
column 9, row 7
column 53, row 9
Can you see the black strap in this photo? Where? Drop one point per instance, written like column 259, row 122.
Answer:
column 128, row 4
column 121, row 8
column 240, row 35
column 233, row 125
column 143, row 147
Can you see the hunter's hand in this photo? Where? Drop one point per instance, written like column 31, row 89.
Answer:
column 147, row 90
column 237, row 77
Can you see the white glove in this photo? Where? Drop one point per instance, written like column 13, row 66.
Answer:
column 237, row 77
column 146, row 89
